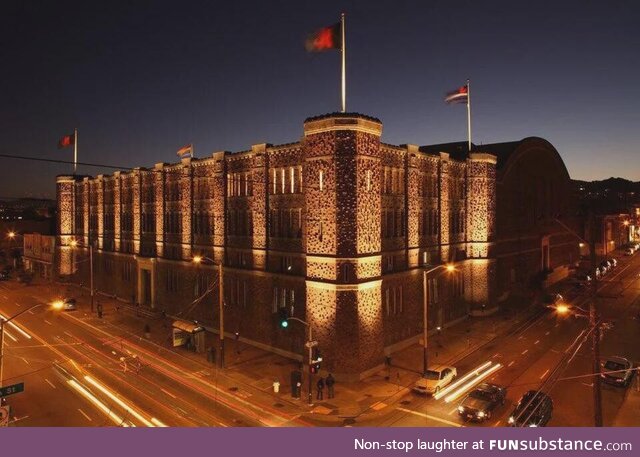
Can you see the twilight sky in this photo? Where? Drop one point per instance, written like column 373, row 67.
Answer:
column 140, row 79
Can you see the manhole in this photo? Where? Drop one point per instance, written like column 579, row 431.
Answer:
column 278, row 405
column 349, row 421
column 405, row 402
column 233, row 389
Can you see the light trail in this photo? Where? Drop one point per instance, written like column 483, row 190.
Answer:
column 452, row 386
column 158, row 423
column 121, row 403
column 93, row 399
column 472, row 383
column 13, row 325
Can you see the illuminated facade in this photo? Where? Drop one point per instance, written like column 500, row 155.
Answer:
column 338, row 227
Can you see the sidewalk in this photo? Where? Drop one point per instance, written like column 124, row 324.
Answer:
column 627, row 415
column 251, row 372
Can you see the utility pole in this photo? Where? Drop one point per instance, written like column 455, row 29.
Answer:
column 221, row 304
column 594, row 322
column 91, row 274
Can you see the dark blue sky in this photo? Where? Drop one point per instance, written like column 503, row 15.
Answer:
column 140, row 79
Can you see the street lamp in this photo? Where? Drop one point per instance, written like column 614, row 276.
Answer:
column 450, row 268
column 4, row 321
column 198, row 259
column 11, row 234
column 74, row 244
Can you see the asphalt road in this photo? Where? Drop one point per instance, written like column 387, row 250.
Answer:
column 538, row 355
column 79, row 372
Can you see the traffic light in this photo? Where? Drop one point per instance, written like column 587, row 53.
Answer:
column 283, row 317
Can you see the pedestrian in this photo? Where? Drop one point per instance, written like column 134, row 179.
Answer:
column 330, row 381
column 320, row 386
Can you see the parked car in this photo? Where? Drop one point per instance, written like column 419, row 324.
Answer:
column 582, row 280
column 533, row 410
column 602, row 269
column 629, row 251
column 436, row 378
column 617, row 371
column 481, row 402
column 613, row 262
column 4, row 275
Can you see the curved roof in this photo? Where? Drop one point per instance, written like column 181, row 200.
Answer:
column 506, row 153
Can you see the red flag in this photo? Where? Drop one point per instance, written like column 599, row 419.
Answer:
column 324, row 39
column 66, row 141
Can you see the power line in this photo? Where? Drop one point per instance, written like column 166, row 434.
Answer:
column 40, row 159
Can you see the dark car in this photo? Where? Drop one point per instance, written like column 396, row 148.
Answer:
column 4, row 275
column 533, row 410
column 617, row 371
column 480, row 403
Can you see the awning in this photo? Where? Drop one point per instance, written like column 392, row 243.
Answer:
column 188, row 327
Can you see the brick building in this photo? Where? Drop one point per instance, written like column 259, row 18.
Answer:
column 338, row 227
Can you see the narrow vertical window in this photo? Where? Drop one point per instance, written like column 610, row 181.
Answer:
column 282, row 173
column 275, row 179
column 321, row 180
column 368, row 180
column 292, row 178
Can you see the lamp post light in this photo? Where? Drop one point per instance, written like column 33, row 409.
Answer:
column 74, row 244
column 450, row 268
column 3, row 322
column 198, row 259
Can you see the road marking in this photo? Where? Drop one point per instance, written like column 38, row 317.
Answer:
column 585, row 384
column 85, row 415
column 495, row 355
column 5, row 297
column 555, row 351
column 17, row 303
column 168, row 393
column 48, row 322
column 547, row 334
column 525, row 351
column 537, row 341
column 520, row 337
column 496, row 424
column 557, row 324
column 31, row 311
column 511, row 363
column 544, row 374
column 10, row 336
column 50, row 383
column 453, row 411
column 25, row 360
column 444, row 421
column 68, row 334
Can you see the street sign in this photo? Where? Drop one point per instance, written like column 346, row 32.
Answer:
column 311, row 344
column 5, row 412
column 10, row 390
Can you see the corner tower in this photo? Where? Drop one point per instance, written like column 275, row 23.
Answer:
column 343, row 262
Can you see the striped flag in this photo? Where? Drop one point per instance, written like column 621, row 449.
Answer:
column 460, row 95
column 188, row 149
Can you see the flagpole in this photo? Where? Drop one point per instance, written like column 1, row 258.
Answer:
column 75, row 150
column 344, row 60
column 469, row 113
column 192, row 150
